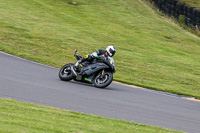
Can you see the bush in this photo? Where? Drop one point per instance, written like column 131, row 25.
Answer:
column 182, row 19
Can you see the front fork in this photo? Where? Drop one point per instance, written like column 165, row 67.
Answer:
column 101, row 74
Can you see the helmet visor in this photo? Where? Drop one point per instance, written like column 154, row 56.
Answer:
column 111, row 53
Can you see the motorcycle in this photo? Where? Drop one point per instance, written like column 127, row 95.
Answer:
column 98, row 72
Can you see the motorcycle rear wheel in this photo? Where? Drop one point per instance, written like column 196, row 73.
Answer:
column 65, row 73
column 103, row 82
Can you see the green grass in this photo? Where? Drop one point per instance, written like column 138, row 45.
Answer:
column 153, row 51
column 191, row 3
column 18, row 117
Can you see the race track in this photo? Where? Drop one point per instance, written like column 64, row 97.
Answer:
column 32, row 82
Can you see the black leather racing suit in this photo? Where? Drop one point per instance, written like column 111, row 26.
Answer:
column 90, row 57
column 98, row 54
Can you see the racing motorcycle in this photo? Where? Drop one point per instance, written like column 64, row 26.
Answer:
column 98, row 72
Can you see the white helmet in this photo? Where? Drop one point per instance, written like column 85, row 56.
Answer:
column 111, row 50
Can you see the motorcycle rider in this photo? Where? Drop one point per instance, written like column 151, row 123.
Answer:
column 109, row 52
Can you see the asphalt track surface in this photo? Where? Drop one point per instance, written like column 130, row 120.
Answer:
column 32, row 82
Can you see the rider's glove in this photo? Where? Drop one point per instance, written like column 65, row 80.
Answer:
column 100, row 58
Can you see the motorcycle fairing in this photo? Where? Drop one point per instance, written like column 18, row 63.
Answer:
column 110, row 65
column 88, row 79
column 94, row 68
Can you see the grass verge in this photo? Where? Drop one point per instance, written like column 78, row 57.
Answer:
column 191, row 3
column 17, row 117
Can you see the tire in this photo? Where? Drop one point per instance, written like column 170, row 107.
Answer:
column 106, row 80
column 198, row 19
column 198, row 14
column 173, row 8
column 190, row 10
column 174, row 3
column 65, row 73
column 181, row 7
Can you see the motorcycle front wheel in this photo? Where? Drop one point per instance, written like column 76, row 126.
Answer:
column 102, row 82
column 65, row 73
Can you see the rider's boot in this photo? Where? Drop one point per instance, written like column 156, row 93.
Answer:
column 78, row 67
column 73, row 70
column 77, row 64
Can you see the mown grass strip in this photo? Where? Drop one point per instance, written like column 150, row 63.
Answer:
column 17, row 117
column 191, row 3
